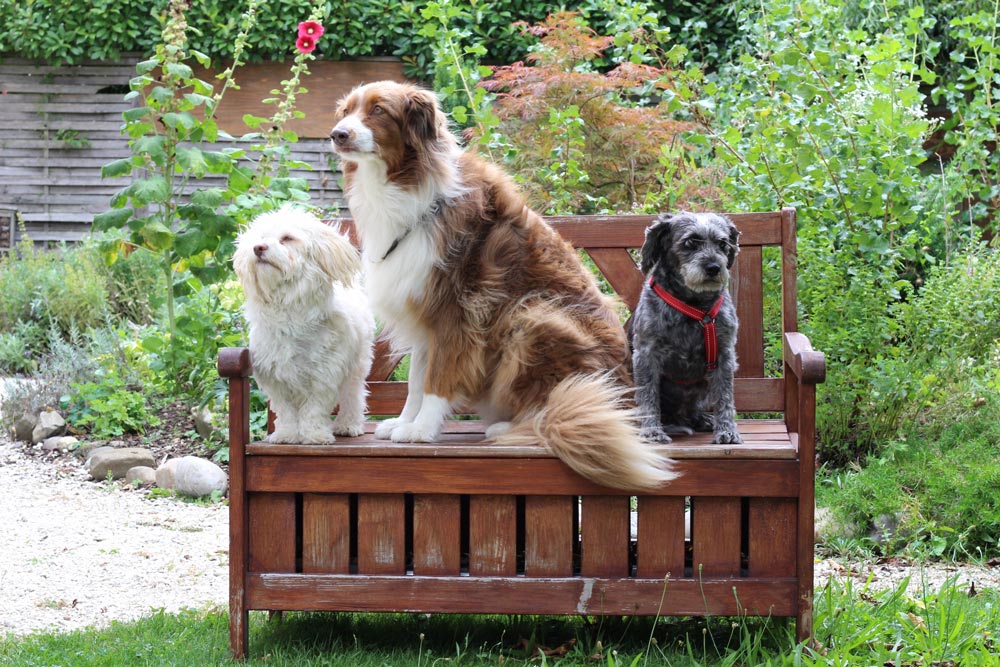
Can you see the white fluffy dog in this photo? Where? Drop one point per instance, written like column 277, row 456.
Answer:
column 311, row 328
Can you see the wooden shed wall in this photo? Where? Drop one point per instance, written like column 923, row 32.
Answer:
column 62, row 124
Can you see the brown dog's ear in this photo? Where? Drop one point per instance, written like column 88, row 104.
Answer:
column 734, row 244
column 656, row 235
column 421, row 117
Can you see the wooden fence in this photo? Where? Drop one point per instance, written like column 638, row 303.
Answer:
column 62, row 124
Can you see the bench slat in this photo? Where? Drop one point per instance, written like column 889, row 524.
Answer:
column 549, row 531
column 437, row 537
column 660, row 537
column 326, row 533
column 490, row 476
column 523, row 595
column 381, row 529
column 604, row 536
column 492, row 536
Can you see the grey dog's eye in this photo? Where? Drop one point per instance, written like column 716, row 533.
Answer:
column 692, row 244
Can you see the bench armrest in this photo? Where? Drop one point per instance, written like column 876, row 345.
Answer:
column 807, row 364
column 234, row 362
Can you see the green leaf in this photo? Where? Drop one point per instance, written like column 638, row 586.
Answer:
column 157, row 235
column 132, row 115
column 147, row 190
column 114, row 219
column 191, row 243
column 117, row 168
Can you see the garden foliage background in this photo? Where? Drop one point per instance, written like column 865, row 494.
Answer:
column 878, row 119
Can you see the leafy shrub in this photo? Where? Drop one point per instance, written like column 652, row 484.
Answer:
column 940, row 481
column 39, row 289
column 135, row 283
column 590, row 124
column 107, row 407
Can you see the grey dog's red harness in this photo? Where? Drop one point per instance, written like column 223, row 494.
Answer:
column 705, row 318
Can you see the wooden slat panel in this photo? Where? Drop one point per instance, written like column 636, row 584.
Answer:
column 660, row 538
column 272, row 532
column 524, row 595
column 765, row 478
column 747, row 291
column 621, row 272
column 381, row 533
column 326, row 533
column 771, row 525
column 548, row 528
column 629, row 230
column 715, row 534
column 751, row 394
column 493, row 535
column 436, row 535
column 764, row 438
column 604, row 536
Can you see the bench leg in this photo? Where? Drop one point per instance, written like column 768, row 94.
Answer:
column 239, row 638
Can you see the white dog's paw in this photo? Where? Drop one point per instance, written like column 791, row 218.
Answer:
column 282, row 436
column 348, row 429
column 727, row 437
column 654, row 434
column 414, row 432
column 384, row 429
column 318, row 437
column 498, row 429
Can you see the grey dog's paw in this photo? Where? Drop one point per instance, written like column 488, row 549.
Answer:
column 727, row 437
column 654, row 434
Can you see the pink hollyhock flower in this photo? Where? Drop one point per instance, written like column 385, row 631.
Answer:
column 305, row 44
column 312, row 29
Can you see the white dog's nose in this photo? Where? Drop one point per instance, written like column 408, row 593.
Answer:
column 260, row 249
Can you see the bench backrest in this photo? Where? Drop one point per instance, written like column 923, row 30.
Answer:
column 608, row 240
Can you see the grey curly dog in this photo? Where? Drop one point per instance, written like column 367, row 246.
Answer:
column 683, row 331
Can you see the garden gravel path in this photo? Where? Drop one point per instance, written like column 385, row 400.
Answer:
column 75, row 553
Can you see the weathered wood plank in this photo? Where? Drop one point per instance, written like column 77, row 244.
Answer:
column 660, row 537
column 492, row 535
column 715, row 536
column 272, row 532
column 381, row 534
column 326, row 533
column 548, row 535
column 765, row 478
column 604, row 536
column 437, row 535
column 772, row 531
column 524, row 595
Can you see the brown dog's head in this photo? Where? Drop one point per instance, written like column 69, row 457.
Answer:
column 397, row 124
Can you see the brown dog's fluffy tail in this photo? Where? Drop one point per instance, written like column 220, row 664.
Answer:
column 588, row 426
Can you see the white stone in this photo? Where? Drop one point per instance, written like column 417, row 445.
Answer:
column 60, row 443
column 198, row 477
column 145, row 475
column 105, row 461
column 166, row 474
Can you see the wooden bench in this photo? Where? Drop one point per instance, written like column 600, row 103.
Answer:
column 464, row 526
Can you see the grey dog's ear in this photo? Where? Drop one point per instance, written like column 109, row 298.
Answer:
column 734, row 247
column 656, row 235
column 421, row 117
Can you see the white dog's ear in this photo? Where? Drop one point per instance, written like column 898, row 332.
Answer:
column 335, row 256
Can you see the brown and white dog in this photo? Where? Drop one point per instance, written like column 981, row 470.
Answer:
column 495, row 308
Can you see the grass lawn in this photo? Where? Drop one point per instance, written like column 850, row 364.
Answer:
column 854, row 624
